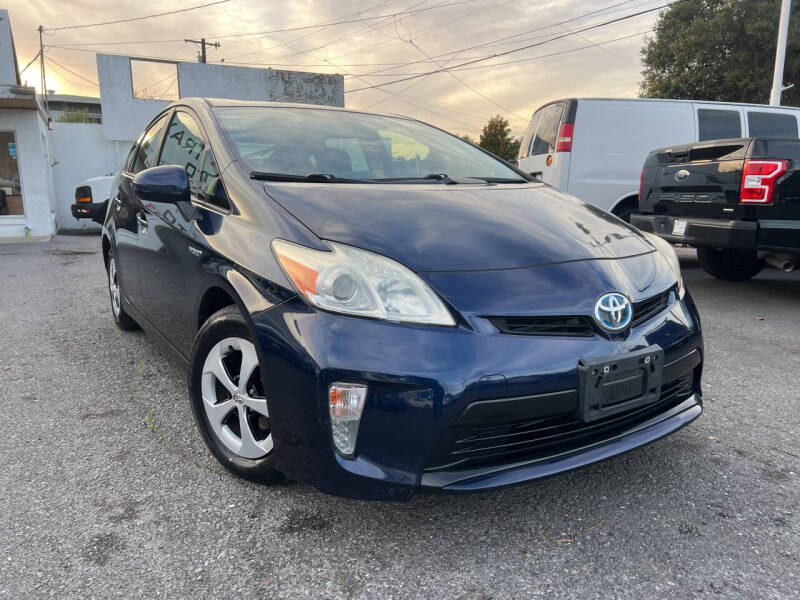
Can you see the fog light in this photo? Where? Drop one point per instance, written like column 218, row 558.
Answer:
column 346, row 402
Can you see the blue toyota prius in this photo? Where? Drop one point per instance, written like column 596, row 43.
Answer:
column 375, row 307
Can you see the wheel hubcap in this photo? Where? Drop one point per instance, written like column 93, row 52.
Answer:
column 113, row 286
column 234, row 400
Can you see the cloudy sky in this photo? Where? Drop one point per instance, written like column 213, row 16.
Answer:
column 382, row 42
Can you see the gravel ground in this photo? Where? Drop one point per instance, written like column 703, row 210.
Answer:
column 106, row 489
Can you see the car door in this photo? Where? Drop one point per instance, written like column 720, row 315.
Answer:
column 164, row 250
column 127, row 211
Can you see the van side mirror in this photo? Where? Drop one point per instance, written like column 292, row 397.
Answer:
column 167, row 183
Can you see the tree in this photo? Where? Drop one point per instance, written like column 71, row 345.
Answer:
column 466, row 138
column 496, row 139
column 720, row 50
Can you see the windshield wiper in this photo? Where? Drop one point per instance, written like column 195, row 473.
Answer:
column 445, row 179
column 501, row 179
column 309, row 178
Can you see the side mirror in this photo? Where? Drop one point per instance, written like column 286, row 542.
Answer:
column 168, row 183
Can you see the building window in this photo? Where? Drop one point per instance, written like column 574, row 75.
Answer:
column 75, row 112
column 154, row 80
column 10, row 190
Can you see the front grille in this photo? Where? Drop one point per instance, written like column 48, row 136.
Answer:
column 569, row 326
column 576, row 326
column 482, row 445
column 649, row 308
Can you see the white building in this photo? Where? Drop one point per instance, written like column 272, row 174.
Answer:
column 89, row 137
column 26, row 176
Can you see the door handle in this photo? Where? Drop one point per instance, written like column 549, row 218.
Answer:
column 142, row 220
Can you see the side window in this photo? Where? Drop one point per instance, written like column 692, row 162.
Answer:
column 718, row 124
column 128, row 164
column 146, row 153
column 547, row 131
column 211, row 189
column 185, row 146
column 527, row 137
column 772, row 125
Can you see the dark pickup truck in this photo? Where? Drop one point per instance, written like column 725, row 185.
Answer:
column 737, row 201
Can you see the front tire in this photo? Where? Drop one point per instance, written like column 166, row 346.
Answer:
column 730, row 264
column 228, row 397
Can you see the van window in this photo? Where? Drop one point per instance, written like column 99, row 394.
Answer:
column 773, row 125
column 527, row 137
column 547, row 131
column 718, row 124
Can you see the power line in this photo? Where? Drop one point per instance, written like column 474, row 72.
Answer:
column 171, row 12
column 355, row 33
column 530, row 58
column 68, row 70
column 512, row 51
column 250, row 33
column 33, row 60
column 347, row 21
column 504, row 40
column 315, row 32
column 413, row 103
column 425, row 31
column 540, row 56
column 468, row 86
column 62, row 75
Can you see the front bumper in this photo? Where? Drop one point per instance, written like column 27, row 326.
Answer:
column 421, row 380
column 764, row 234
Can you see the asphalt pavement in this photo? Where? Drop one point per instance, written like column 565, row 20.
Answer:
column 106, row 489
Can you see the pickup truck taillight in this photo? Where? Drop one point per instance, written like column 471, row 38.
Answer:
column 758, row 180
column 564, row 143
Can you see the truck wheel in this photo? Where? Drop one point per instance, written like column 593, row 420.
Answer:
column 730, row 264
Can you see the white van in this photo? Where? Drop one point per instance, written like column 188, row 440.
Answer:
column 594, row 148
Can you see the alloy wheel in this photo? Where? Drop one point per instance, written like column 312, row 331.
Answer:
column 113, row 286
column 234, row 399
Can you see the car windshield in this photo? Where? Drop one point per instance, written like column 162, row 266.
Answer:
column 351, row 146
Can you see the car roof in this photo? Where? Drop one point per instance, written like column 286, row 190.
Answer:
column 226, row 102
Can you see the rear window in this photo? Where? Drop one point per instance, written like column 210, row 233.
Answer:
column 547, row 131
column 718, row 124
column 772, row 125
column 527, row 137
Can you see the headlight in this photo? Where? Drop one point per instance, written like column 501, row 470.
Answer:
column 356, row 282
column 668, row 252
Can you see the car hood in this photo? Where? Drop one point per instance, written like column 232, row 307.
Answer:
column 460, row 227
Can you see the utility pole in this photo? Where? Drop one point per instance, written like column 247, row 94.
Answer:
column 44, row 77
column 780, row 54
column 203, row 43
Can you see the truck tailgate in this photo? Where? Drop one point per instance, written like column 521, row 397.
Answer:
column 698, row 180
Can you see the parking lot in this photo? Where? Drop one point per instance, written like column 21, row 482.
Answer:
column 106, row 488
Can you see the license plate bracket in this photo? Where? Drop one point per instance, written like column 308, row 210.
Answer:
column 614, row 384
